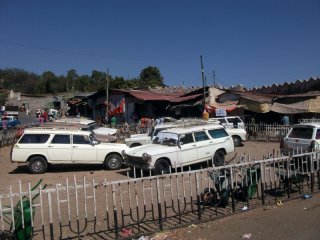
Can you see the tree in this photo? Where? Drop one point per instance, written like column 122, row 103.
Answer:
column 83, row 83
column 150, row 77
column 71, row 77
column 50, row 82
column 98, row 79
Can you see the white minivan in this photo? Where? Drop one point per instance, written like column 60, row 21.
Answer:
column 229, row 122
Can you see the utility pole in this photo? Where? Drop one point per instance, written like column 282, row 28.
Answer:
column 203, row 84
column 107, row 96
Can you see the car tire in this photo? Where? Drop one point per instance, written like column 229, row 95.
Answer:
column 113, row 162
column 218, row 158
column 236, row 141
column 37, row 165
column 162, row 166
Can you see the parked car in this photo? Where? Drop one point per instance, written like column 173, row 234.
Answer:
column 239, row 135
column 103, row 134
column 179, row 147
column 301, row 138
column 41, row 147
column 229, row 122
column 8, row 121
column 136, row 140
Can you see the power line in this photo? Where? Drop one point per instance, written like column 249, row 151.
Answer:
column 26, row 45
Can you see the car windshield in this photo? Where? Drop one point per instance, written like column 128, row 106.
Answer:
column 92, row 126
column 93, row 139
column 168, row 139
column 301, row 132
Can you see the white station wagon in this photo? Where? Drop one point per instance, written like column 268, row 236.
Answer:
column 178, row 147
column 301, row 138
column 41, row 147
column 239, row 135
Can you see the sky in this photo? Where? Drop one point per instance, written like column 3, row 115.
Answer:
column 247, row 42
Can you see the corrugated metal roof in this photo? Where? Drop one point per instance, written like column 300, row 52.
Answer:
column 151, row 96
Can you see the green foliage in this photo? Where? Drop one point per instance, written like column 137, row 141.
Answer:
column 48, row 82
column 150, row 77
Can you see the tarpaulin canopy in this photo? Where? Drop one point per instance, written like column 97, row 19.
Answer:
column 254, row 106
column 302, row 106
column 228, row 106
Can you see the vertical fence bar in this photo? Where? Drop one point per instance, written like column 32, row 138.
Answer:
column 12, row 210
column 21, row 205
column 115, row 213
column 41, row 211
column 159, row 205
column 31, row 207
column 137, row 205
column 50, row 216
column 77, row 204
column 198, row 196
column 233, row 203
column 106, row 203
column 262, row 169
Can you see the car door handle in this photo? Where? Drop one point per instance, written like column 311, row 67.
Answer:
column 75, row 147
column 194, row 145
column 50, row 146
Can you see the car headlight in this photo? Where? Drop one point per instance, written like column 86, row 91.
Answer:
column 146, row 157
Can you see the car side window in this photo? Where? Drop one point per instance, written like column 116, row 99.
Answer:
column 81, row 139
column 201, row 136
column 318, row 134
column 34, row 138
column 222, row 121
column 187, row 139
column 61, row 139
column 218, row 133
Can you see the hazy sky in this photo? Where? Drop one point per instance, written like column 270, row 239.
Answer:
column 248, row 42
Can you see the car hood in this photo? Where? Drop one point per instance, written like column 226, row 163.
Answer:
column 138, row 137
column 105, row 131
column 152, row 149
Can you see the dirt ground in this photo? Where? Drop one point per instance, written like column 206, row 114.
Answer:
column 298, row 219
column 295, row 220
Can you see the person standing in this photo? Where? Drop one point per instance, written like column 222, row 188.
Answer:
column 113, row 121
column 285, row 120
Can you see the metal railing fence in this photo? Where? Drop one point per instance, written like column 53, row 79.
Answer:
column 259, row 132
column 102, row 209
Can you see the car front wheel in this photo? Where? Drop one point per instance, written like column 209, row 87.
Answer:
column 236, row 141
column 162, row 166
column 37, row 165
column 113, row 162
